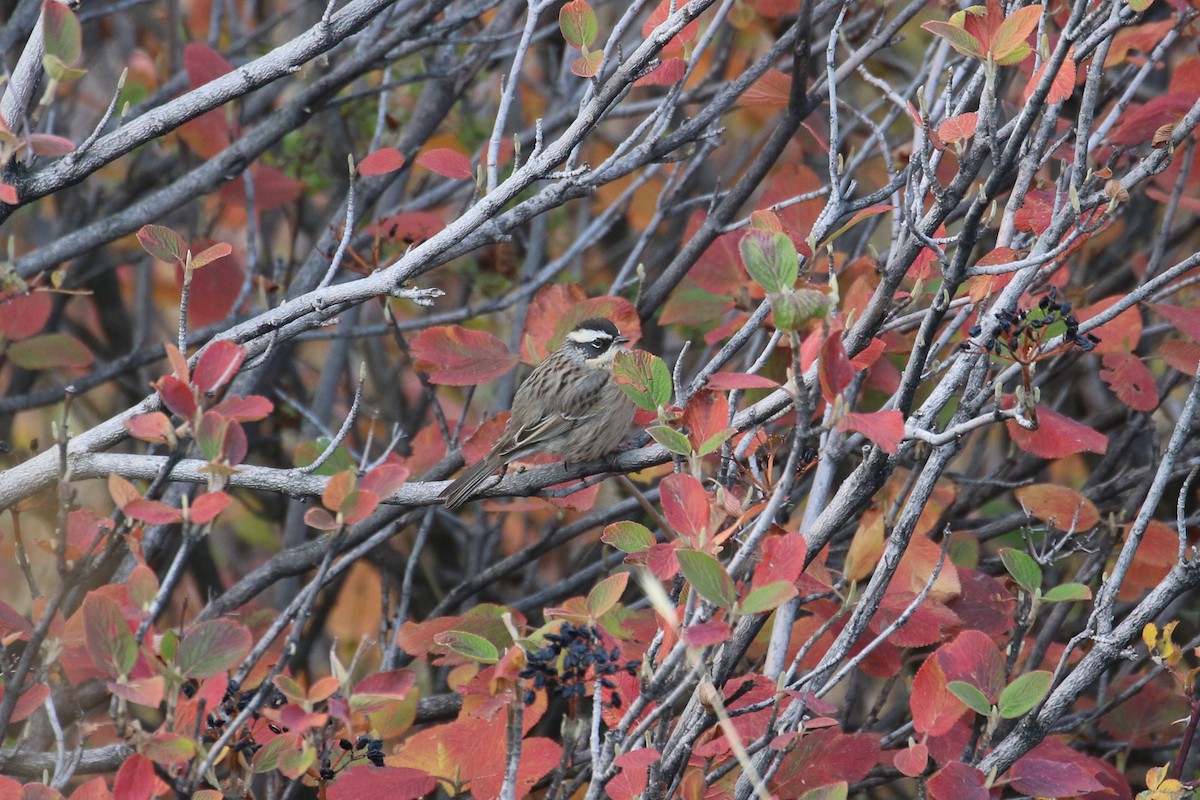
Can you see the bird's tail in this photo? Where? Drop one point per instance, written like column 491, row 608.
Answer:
column 464, row 486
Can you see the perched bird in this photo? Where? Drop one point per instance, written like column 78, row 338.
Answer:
column 569, row 406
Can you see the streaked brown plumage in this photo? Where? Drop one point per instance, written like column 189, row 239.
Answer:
column 569, row 406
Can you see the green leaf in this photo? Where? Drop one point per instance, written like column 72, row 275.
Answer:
column 163, row 243
column 1140, row 5
column 307, row 453
column 628, row 537
column 768, row 598
column 834, row 791
column 49, row 351
column 771, row 260
column 1024, row 570
column 711, row 444
column 61, row 32
column 212, row 647
column 1067, row 593
column 577, row 21
column 644, row 377
column 971, row 696
column 1020, row 696
column 792, row 308
column 59, row 71
column 470, row 646
column 606, row 594
column 671, row 439
column 708, row 577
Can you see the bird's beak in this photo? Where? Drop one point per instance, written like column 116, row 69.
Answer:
column 622, row 340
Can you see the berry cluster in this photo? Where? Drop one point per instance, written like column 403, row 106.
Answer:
column 1021, row 333
column 584, row 652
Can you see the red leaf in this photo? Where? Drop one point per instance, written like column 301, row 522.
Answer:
column 381, row 162
column 686, row 506
column 213, row 291
column 1139, row 124
column 1185, row 320
column 934, row 707
column 8, row 194
column 95, row 789
column 217, row 365
column 320, row 519
column 825, row 756
column 772, row 89
column 153, row 512
column 136, row 780
column 337, row 490
column 385, row 479
column 394, row 783
column 974, row 658
column 244, row 409
column 152, row 427
column 1063, row 85
column 662, row 561
column 834, row 369
column 958, row 128
column 207, row 506
column 958, row 781
column 272, row 189
column 659, row 15
column 446, row 162
column 203, row 64
column 706, row 634
column 706, row 415
column 1122, row 333
column 411, row 226
column 29, row 701
column 120, row 490
column 23, row 315
column 633, row 777
column 884, row 428
column 47, row 144
column 177, row 396
column 913, row 760
column 588, row 66
column 1052, row 769
column 669, row 72
column 454, row 355
column 1130, row 380
column 782, row 559
column 726, row 381
column 1057, row 436
column 1183, row 356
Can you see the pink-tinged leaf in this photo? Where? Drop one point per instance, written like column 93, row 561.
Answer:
column 958, row 128
column 668, row 73
column 662, row 562
column 633, row 776
column 686, row 506
column 659, row 15
column 121, row 491
column 163, row 243
column 588, row 66
column 706, row 634
column 392, row 685
column 47, row 144
column 394, row 783
column 50, row 351
column 207, row 506
column 726, row 381
column 1010, row 45
column 153, row 427
column 320, row 519
column 1053, row 769
column 358, row 506
column 244, row 409
column 456, row 356
column 912, row 760
column 577, row 21
column 23, row 315
column 884, row 428
column 143, row 586
column 446, row 162
column 385, row 479
column 61, row 32
column 957, row 36
column 8, row 194
column 295, row 718
column 12, row 622
column 1185, row 320
column 1130, row 380
column 97, row 789
column 1057, row 436
column 153, row 512
column 217, row 365
column 212, row 647
column 177, row 396
column 147, row 692
column 1063, row 85
column 109, row 642
column 203, row 64
column 958, row 781
column 136, row 780
column 782, row 559
column 381, row 162
column 211, row 254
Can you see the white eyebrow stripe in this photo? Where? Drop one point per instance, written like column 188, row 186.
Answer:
column 586, row 336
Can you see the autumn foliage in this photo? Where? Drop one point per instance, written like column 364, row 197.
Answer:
column 910, row 506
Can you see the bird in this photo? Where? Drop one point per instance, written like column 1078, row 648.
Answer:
column 570, row 406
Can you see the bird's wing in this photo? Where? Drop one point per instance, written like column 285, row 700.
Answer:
column 560, row 414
